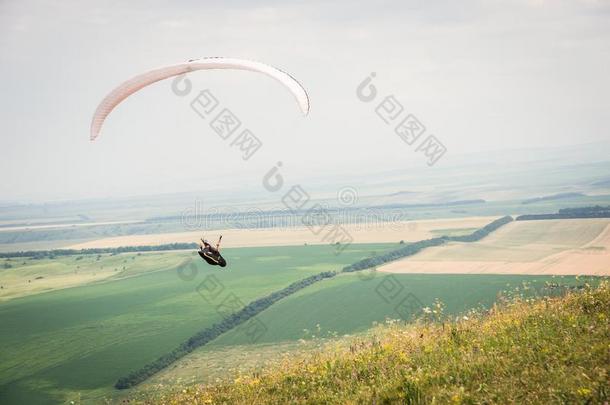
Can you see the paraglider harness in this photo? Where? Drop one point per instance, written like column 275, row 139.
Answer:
column 211, row 254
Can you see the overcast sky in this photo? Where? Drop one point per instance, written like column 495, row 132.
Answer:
column 480, row 75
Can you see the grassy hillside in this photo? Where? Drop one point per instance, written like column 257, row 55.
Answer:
column 549, row 350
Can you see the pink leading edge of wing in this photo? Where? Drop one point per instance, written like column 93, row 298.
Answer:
column 136, row 83
column 127, row 88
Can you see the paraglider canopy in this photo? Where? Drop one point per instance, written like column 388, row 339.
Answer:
column 140, row 81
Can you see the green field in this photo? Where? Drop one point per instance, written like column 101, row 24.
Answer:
column 58, row 344
column 25, row 276
column 351, row 303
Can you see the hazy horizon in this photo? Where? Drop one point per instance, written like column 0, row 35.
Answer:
column 587, row 164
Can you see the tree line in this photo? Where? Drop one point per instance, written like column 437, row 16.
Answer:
column 212, row 332
column 416, row 247
column 50, row 254
column 559, row 196
column 596, row 211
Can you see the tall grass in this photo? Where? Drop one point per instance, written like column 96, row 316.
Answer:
column 523, row 351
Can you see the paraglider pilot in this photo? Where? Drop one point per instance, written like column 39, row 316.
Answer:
column 207, row 245
column 211, row 254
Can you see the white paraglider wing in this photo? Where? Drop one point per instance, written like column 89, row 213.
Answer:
column 138, row 82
